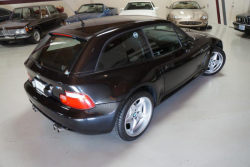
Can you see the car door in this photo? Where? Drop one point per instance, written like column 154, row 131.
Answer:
column 54, row 16
column 174, row 59
column 45, row 22
column 4, row 15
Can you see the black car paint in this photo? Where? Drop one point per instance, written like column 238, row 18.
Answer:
column 111, row 87
column 245, row 21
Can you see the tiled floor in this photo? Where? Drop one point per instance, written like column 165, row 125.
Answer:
column 205, row 124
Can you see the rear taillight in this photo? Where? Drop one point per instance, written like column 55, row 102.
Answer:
column 30, row 79
column 77, row 100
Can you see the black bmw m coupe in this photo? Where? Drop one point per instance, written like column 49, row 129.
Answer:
column 108, row 74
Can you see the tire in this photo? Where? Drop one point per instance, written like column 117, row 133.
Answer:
column 204, row 28
column 134, row 117
column 35, row 36
column 4, row 42
column 216, row 62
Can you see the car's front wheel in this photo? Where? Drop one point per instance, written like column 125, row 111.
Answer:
column 35, row 36
column 216, row 62
column 135, row 116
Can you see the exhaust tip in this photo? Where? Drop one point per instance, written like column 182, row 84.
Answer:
column 58, row 128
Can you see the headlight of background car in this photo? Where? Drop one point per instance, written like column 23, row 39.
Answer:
column 204, row 18
column 20, row 31
column 176, row 17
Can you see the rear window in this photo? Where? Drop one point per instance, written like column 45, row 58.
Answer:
column 59, row 53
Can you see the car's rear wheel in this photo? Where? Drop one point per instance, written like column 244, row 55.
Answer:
column 216, row 62
column 135, row 116
column 35, row 36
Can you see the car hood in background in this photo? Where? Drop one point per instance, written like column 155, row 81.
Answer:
column 192, row 14
column 83, row 16
column 139, row 12
column 15, row 24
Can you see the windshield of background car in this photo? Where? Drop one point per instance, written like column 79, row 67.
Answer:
column 58, row 53
column 186, row 5
column 92, row 8
column 26, row 13
column 139, row 6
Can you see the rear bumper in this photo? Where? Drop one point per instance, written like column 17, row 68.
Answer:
column 98, row 120
column 236, row 27
column 13, row 38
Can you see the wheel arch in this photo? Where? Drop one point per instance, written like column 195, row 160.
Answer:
column 219, row 44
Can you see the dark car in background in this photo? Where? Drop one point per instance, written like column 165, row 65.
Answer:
column 110, row 75
column 242, row 23
column 4, row 14
column 89, row 11
column 31, row 23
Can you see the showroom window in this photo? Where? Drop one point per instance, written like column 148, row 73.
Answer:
column 4, row 12
column 128, row 48
column 162, row 39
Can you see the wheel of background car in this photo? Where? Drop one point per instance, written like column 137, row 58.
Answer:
column 204, row 28
column 35, row 36
column 216, row 62
column 135, row 116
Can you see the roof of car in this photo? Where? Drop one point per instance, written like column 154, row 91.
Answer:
column 33, row 6
column 98, row 25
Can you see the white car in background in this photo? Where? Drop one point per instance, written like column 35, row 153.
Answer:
column 140, row 8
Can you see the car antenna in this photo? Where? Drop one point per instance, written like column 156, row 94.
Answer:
column 82, row 23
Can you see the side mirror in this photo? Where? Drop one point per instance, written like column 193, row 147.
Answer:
column 188, row 46
column 46, row 16
column 156, row 8
column 203, row 7
column 75, row 12
column 122, row 9
column 167, row 7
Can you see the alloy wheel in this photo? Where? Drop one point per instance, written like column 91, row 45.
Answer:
column 215, row 63
column 138, row 116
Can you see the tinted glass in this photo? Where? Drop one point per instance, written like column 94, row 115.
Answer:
column 29, row 13
column 162, row 39
column 51, row 9
column 127, row 48
column 4, row 12
column 139, row 6
column 59, row 53
column 183, row 37
column 44, row 12
column 91, row 8
column 17, row 14
column 186, row 5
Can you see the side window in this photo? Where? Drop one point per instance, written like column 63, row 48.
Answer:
column 127, row 48
column 44, row 12
column 4, row 12
column 36, row 11
column 51, row 10
column 162, row 39
column 26, row 13
column 183, row 37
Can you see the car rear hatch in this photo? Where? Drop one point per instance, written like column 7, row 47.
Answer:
column 49, row 68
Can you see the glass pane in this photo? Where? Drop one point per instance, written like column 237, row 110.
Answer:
column 139, row 6
column 4, row 12
column 183, row 37
column 59, row 53
column 44, row 11
column 127, row 48
column 162, row 39
column 16, row 14
column 186, row 5
column 51, row 10
column 91, row 8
